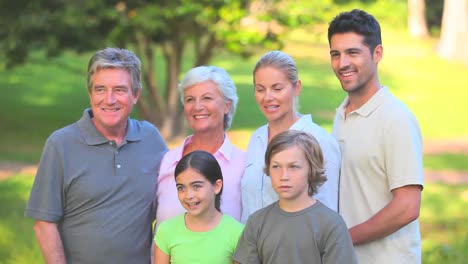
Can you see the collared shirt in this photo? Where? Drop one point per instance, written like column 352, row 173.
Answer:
column 98, row 193
column 232, row 163
column 382, row 150
column 257, row 191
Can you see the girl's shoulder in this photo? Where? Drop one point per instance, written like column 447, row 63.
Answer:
column 172, row 222
column 229, row 221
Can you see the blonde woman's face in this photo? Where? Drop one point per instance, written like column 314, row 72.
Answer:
column 275, row 94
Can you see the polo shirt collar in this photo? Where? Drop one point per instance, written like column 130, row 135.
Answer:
column 93, row 137
column 370, row 106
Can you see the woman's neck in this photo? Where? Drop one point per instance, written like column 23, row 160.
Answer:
column 274, row 128
column 209, row 142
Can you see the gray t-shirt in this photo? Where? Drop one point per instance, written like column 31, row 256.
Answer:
column 99, row 194
column 316, row 234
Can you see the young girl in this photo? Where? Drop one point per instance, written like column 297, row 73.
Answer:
column 296, row 229
column 203, row 234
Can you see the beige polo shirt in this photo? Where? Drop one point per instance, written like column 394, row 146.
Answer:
column 381, row 150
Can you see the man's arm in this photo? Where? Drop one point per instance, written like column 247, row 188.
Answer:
column 403, row 209
column 50, row 242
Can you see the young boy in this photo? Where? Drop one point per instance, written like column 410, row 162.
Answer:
column 297, row 228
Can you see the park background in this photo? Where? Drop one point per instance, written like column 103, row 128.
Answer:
column 46, row 47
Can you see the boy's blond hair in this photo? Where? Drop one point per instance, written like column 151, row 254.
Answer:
column 311, row 150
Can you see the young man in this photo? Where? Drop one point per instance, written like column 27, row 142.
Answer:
column 381, row 172
column 297, row 228
column 93, row 193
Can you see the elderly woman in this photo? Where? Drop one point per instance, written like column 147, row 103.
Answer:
column 277, row 87
column 210, row 99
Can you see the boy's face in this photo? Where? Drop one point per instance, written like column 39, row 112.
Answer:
column 289, row 171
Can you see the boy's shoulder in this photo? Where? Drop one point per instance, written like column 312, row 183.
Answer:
column 265, row 211
column 273, row 210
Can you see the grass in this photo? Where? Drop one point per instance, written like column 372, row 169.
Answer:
column 458, row 162
column 17, row 240
column 444, row 223
column 38, row 98
column 443, row 219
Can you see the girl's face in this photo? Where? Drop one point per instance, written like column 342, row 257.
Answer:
column 197, row 194
column 289, row 172
column 275, row 94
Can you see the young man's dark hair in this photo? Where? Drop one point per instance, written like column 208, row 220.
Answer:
column 359, row 22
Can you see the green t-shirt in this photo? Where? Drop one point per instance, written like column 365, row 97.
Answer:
column 185, row 246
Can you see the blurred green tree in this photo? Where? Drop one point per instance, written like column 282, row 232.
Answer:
column 165, row 28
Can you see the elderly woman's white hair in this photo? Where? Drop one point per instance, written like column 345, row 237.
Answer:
column 222, row 80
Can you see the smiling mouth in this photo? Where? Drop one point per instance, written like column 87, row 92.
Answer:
column 347, row 73
column 200, row 116
column 110, row 109
column 271, row 107
column 193, row 204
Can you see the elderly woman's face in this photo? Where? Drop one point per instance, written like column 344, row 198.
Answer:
column 204, row 107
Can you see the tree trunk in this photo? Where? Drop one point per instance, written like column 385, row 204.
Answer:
column 166, row 112
column 150, row 105
column 204, row 52
column 454, row 34
column 417, row 24
column 173, row 119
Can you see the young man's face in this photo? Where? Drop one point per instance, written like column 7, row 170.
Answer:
column 289, row 172
column 354, row 63
column 112, row 100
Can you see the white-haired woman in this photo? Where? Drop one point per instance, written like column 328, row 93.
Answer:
column 209, row 97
